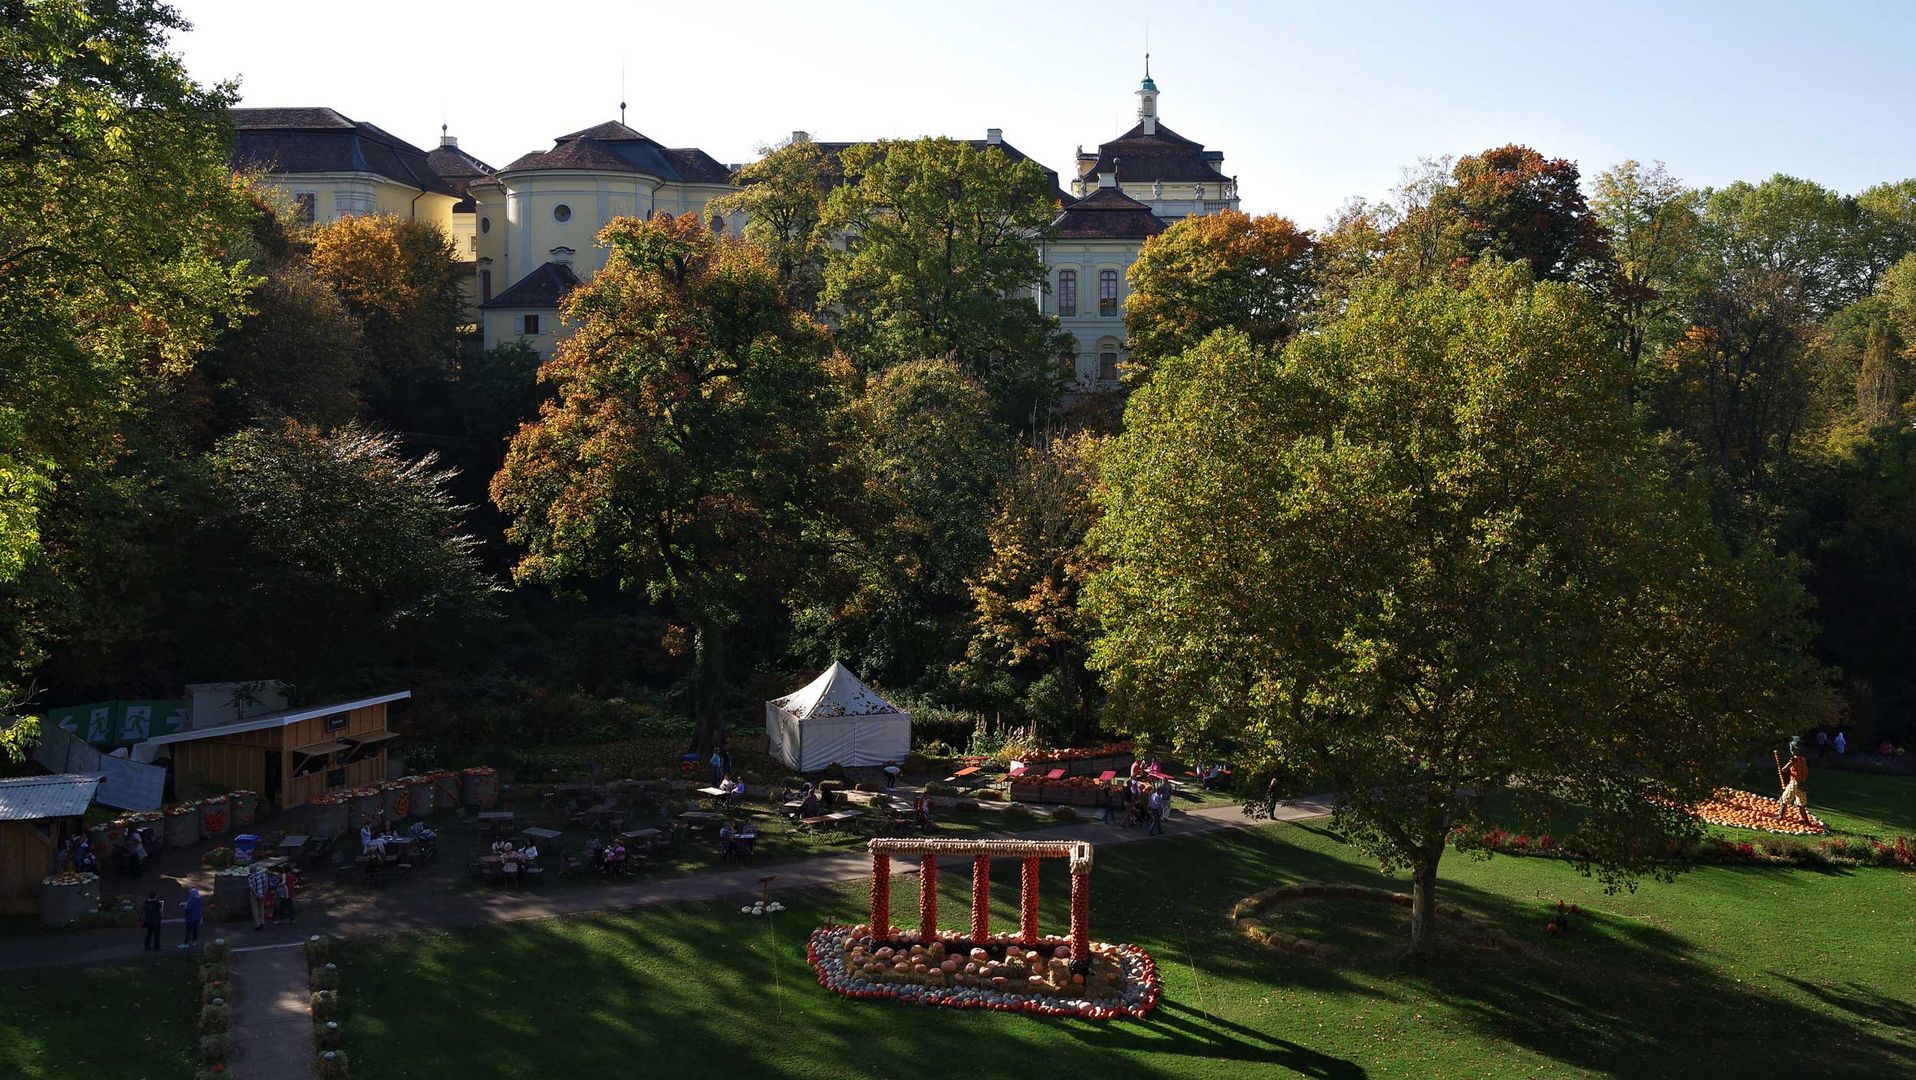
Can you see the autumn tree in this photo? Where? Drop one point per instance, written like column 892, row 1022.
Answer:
column 296, row 354
column 1030, row 632
column 940, row 256
column 116, row 210
column 1212, row 272
column 1427, row 556
column 1652, row 224
column 921, row 463
column 783, row 195
column 401, row 280
column 691, row 421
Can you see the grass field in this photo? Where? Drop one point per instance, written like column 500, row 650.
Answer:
column 1730, row 971
column 137, row 1022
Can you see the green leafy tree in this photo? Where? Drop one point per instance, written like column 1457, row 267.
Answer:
column 1653, row 228
column 1510, row 202
column 116, row 213
column 922, row 463
column 1427, row 556
column 1212, row 272
column 940, row 258
column 402, row 281
column 1030, row 632
column 328, row 551
column 297, row 354
column 783, row 196
column 691, row 423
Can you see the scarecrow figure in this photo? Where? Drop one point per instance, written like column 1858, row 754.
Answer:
column 1792, row 775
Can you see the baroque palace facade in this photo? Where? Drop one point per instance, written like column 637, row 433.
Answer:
column 527, row 230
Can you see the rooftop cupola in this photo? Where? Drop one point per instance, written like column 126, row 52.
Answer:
column 1148, row 100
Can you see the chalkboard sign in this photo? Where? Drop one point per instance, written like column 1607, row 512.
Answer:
column 338, row 722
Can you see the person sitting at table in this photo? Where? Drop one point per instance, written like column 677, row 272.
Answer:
column 808, row 806
column 509, row 861
column 733, row 789
column 530, row 854
column 728, row 845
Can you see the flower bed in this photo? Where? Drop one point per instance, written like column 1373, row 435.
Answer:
column 997, row 972
column 1747, row 810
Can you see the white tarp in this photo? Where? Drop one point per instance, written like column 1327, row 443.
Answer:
column 129, row 785
column 836, row 719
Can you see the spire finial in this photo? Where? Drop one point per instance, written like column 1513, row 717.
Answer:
column 1147, row 63
column 621, row 112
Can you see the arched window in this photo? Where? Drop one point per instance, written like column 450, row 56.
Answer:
column 1067, row 292
column 1107, row 292
column 1108, row 350
column 485, row 286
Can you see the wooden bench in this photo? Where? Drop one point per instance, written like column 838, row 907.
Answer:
column 970, row 770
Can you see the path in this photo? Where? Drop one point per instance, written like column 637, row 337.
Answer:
column 272, row 1032
column 426, row 911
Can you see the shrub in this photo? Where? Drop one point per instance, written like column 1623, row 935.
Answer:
column 1065, row 813
column 327, row 1035
column 318, row 949
column 214, row 1019
column 936, row 788
column 218, row 858
column 215, row 1049
column 1018, row 810
column 969, row 806
column 992, row 795
column 213, row 973
column 216, row 951
column 332, row 1065
column 938, row 748
column 915, row 763
column 211, row 992
column 323, row 978
column 325, row 1004
column 834, row 771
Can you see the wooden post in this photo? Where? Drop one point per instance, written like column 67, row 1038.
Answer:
column 881, row 896
column 927, row 897
column 980, row 898
column 1028, row 903
column 1080, row 917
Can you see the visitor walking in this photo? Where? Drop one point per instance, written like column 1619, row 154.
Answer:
column 1842, row 743
column 288, row 886
column 1160, row 806
column 150, row 918
column 717, row 762
column 256, row 885
column 1108, row 801
column 1795, row 775
column 192, row 912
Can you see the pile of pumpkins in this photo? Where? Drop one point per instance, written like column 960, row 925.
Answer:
column 1747, row 810
column 1042, row 970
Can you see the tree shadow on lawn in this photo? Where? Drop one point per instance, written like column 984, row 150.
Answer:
column 1860, row 1000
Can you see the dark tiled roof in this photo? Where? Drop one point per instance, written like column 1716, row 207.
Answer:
column 458, row 169
column 833, row 149
column 321, row 140
column 613, row 147
column 1106, row 214
column 1166, row 155
column 31, row 798
column 543, row 288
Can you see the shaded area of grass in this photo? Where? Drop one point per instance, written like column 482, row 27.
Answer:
column 138, row 1020
column 1725, row 971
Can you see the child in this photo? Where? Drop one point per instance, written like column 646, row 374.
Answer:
column 1794, row 774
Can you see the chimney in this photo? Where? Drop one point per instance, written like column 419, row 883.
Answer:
column 994, row 136
column 1108, row 179
column 801, row 136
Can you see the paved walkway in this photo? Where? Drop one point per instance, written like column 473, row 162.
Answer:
column 272, row 1030
column 425, row 911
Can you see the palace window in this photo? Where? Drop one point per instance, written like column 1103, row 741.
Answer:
column 485, row 286
column 1107, row 367
column 562, row 213
column 528, row 324
column 352, row 202
column 1107, row 292
column 1067, row 292
column 304, row 206
column 485, row 224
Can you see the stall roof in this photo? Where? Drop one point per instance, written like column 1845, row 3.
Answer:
column 30, row 798
column 274, row 720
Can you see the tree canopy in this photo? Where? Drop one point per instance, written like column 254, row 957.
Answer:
column 1427, row 554
column 1212, row 272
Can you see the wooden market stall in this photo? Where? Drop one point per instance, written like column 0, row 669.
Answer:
column 37, row 814
column 289, row 756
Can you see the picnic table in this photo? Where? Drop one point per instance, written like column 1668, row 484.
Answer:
column 969, row 770
column 494, row 815
column 701, row 818
column 634, row 836
column 294, row 844
column 543, row 834
column 828, row 820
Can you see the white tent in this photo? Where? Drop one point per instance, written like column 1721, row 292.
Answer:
column 836, row 718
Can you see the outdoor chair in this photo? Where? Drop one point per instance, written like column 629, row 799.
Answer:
column 342, row 868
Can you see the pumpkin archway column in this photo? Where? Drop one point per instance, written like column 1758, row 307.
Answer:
column 1028, row 902
column 881, row 896
column 1080, row 914
column 980, row 898
column 927, row 897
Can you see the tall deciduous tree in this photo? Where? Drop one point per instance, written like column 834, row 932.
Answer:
column 691, row 422
column 1212, row 272
column 1511, row 202
column 922, row 459
column 783, row 195
column 1030, row 632
column 1651, row 222
column 116, row 211
column 402, row 281
column 940, row 255
column 1427, row 555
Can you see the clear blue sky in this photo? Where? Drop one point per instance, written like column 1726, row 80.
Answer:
column 1312, row 103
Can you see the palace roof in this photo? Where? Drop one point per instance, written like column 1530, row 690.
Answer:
column 613, row 147
column 543, row 288
column 1106, row 214
column 1162, row 155
column 319, row 140
column 458, row 169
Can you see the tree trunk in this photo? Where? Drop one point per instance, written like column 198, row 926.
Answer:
column 1423, row 908
column 708, row 687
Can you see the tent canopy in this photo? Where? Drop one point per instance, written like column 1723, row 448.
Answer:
column 836, row 718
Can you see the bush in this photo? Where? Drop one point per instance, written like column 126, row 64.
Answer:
column 332, row 1065
column 993, row 795
column 835, row 771
column 327, row 1034
column 1018, row 810
column 916, row 763
column 323, row 978
column 1065, row 813
column 218, row 858
column 216, row 951
column 214, row 1049
column 325, row 1004
column 213, row 973
column 939, row 749
column 969, row 806
column 214, row 1019
column 936, row 788
column 212, row 992
column 318, row 950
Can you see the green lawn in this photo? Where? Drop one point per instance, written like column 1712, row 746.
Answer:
column 1731, row 970
column 135, row 1022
